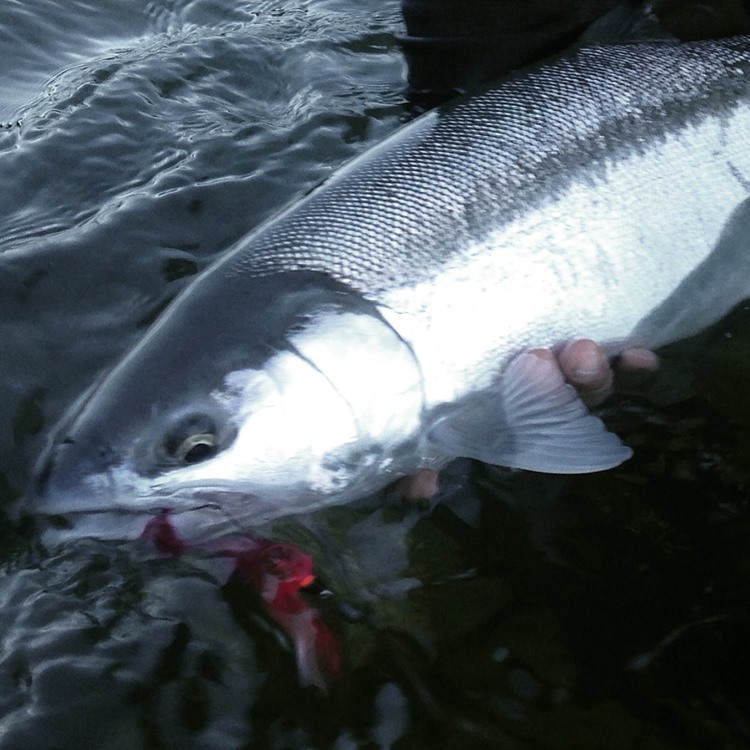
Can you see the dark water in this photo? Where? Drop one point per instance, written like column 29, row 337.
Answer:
column 138, row 140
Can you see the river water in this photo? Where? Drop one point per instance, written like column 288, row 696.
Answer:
column 138, row 140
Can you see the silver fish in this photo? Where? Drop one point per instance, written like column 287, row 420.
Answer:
column 383, row 323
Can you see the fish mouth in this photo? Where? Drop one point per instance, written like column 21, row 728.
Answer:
column 115, row 503
column 71, row 484
column 74, row 495
column 196, row 520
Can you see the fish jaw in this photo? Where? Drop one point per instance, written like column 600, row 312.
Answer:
column 72, row 498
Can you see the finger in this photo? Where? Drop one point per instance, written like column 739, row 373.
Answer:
column 421, row 485
column 587, row 369
column 637, row 360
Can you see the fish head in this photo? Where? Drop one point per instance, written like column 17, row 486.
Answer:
column 260, row 398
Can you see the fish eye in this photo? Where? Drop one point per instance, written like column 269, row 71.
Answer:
column 191, row 440
column 197, row 448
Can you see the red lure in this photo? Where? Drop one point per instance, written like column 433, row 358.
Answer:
column 278, row 573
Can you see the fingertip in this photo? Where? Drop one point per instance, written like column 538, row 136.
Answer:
column 545, row 354
column 638, row 360
column 421, row 485
column 583, row 363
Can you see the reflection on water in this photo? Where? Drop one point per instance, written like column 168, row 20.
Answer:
column 139, row 141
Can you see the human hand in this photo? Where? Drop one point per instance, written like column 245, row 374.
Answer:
column 585, row 367
column 589, row 371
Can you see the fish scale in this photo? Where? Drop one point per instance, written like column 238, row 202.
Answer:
column 435, row 188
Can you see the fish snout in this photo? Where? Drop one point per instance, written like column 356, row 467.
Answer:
column 72, row 477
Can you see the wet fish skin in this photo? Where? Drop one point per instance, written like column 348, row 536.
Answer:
column 378, row 325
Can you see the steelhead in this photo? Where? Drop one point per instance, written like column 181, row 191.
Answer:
column 384, row 322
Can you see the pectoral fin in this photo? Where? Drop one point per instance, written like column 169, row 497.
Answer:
column 531, row 420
